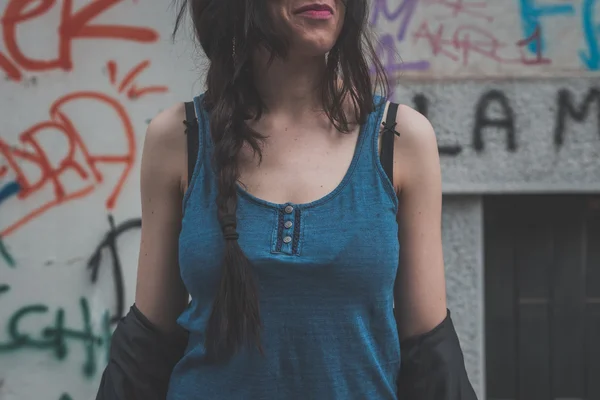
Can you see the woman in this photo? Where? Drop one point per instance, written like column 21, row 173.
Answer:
column 289, row 241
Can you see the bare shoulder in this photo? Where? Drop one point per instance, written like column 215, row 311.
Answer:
column 420, row 287
column 166, row 130
column 160, row 294
column 415, row 131
column 415, row 149
column 165, row 146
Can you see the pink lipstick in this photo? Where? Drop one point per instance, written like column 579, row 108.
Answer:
column 315, row 11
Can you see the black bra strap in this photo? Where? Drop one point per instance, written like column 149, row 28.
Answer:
column 387, row 141
column 193, row 137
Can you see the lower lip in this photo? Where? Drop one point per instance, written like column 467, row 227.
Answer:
column 317, row 14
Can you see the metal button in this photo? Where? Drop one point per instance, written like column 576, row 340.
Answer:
column 289, row 209
column 288, row 224
column 287, row 239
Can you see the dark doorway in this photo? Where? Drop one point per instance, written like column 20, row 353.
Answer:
column 542, row 295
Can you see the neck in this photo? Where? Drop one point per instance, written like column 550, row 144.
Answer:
column 290, row 86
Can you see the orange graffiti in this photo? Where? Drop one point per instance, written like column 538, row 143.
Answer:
column 51, row 174
column 33, row 151
column 73, row 25
column 11, row 71
column 133, row 92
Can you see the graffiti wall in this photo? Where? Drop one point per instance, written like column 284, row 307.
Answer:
column 450, row 39
column 80, row 80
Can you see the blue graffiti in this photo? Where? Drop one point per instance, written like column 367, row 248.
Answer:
column 530, row 19
column 9, row 190
column 592, row 59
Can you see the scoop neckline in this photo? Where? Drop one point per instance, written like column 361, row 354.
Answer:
column 244, row 194
column 329, row 196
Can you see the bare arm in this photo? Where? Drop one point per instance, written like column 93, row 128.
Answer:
column 420, row 292
column 160, row 293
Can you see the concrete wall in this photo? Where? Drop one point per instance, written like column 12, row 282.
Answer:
column 462, row 230
column 514, row 136
column 503, row 137
column 74, row 108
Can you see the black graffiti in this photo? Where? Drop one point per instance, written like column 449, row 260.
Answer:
column 567, row 111
column 4, row 288
column 110, row 242
column 421, row 104
column 579, row 114
column 483, row 120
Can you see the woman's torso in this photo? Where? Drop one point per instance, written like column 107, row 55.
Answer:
column 326, row 272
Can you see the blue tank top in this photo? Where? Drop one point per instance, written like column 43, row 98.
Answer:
column 325, row 272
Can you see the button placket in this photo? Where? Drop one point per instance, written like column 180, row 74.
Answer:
column 286, row 235
column 288, row 232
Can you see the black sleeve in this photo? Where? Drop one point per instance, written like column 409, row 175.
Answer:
column 141, row 360
column 433, row 366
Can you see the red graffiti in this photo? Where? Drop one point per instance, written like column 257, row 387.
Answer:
column 535, row 37
column 72, row 25
column 133, row 92
column 79, row 160
column 458, row 7
column 461, row 43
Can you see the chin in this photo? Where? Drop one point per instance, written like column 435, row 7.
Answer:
column 313, row 46
column 312, row 50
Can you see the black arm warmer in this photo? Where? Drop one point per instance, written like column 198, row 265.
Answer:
column 141, row 360
column 433, row 366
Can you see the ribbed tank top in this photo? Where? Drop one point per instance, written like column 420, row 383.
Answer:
column 325, row 272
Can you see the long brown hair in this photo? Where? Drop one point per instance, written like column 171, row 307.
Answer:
column 230, row 32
